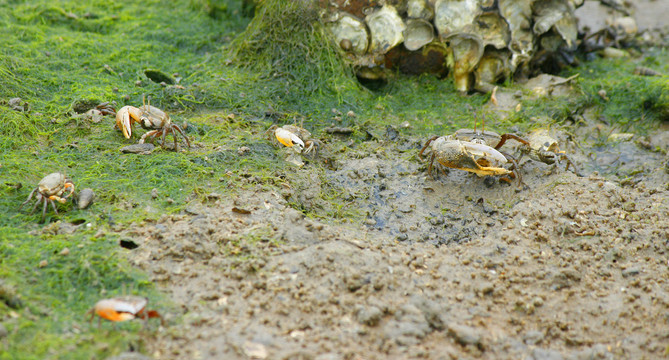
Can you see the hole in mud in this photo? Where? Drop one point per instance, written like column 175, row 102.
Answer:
column 78, row 221
column 128, row 244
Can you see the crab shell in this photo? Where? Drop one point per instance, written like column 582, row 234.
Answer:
column 121, row 308
column 153, row 118
column 540, row 140
column 54, row 184
column 464, row 155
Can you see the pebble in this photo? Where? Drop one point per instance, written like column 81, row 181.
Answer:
column 631, row 272
column 370, row 315
column 143, row 149
column 464, row 335
column 85, row 198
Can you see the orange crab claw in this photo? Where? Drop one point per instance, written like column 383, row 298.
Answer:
column 125, row 117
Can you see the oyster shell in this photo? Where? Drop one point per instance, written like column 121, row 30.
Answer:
column 493, row 30
column 350, row 33
column 417, row 34
column 467, row 51
column 386, row 28
column 419, row 9
column 455, row 16
column 518, row 14
column 492, row 68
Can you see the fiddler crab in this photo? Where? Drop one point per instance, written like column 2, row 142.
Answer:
column 296, row 137
column 53, row 187
column 545, row 149
column 123, row 308
column 475, row 151
column 151, row 118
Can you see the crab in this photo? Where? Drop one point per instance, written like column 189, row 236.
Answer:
column 295, row 136
column 151, row 118
column 489, row 139
column 53, row 187
column 123, row 308
column 545, row 149
column 478, row 158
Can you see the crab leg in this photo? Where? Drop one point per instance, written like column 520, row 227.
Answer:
column 29, row 197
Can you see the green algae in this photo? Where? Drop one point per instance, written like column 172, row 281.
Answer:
column 231, row 82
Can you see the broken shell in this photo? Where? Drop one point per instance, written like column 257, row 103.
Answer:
column 467, row 51
column 386, row 29
column 644, row 71
column 417, row 34
column 349, row 30
column 85, row 199
column 625, row 27
column 493, row 29
column 518, row 14
column 419, row 9
column 492, row 68
column 430, row 59
column 453, row 16
column 567, row 27
column 547, row 13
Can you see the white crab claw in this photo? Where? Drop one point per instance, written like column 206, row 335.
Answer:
column 288, row 138
column 484, row 151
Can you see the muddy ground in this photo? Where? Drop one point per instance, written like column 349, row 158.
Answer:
column 565, row 265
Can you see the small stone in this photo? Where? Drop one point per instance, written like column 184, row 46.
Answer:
column 65, row 251
column 369, row 315
column 143, row 149
column 533, row 337
column 255, row 350
column 154, row 193
column 464, row 335
column 43, row 263
column 631, row 272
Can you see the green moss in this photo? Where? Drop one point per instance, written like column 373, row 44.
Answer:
column 231, row 83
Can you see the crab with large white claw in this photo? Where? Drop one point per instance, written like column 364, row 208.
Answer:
column 151, row 118
column 478, row 158
column 296, row 137
column 123, row 308
column 53, row 187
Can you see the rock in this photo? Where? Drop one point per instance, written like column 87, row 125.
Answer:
column 3, row 331
column 143, row 149
column 533, row 337
column 633, row 271
column 370, row 315
column 465, row 335
column 255, row 350
column 85, row 198
column 544, row 354
column 129, row 356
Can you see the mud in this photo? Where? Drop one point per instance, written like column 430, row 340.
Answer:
column 561, row 266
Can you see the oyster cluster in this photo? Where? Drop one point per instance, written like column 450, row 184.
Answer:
column 478, row 42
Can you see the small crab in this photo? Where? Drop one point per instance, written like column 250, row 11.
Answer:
column 151, row 118
column 50, row 188
column 295, row 136
column 122, row 309
column 545, row 149
column 469, row 156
